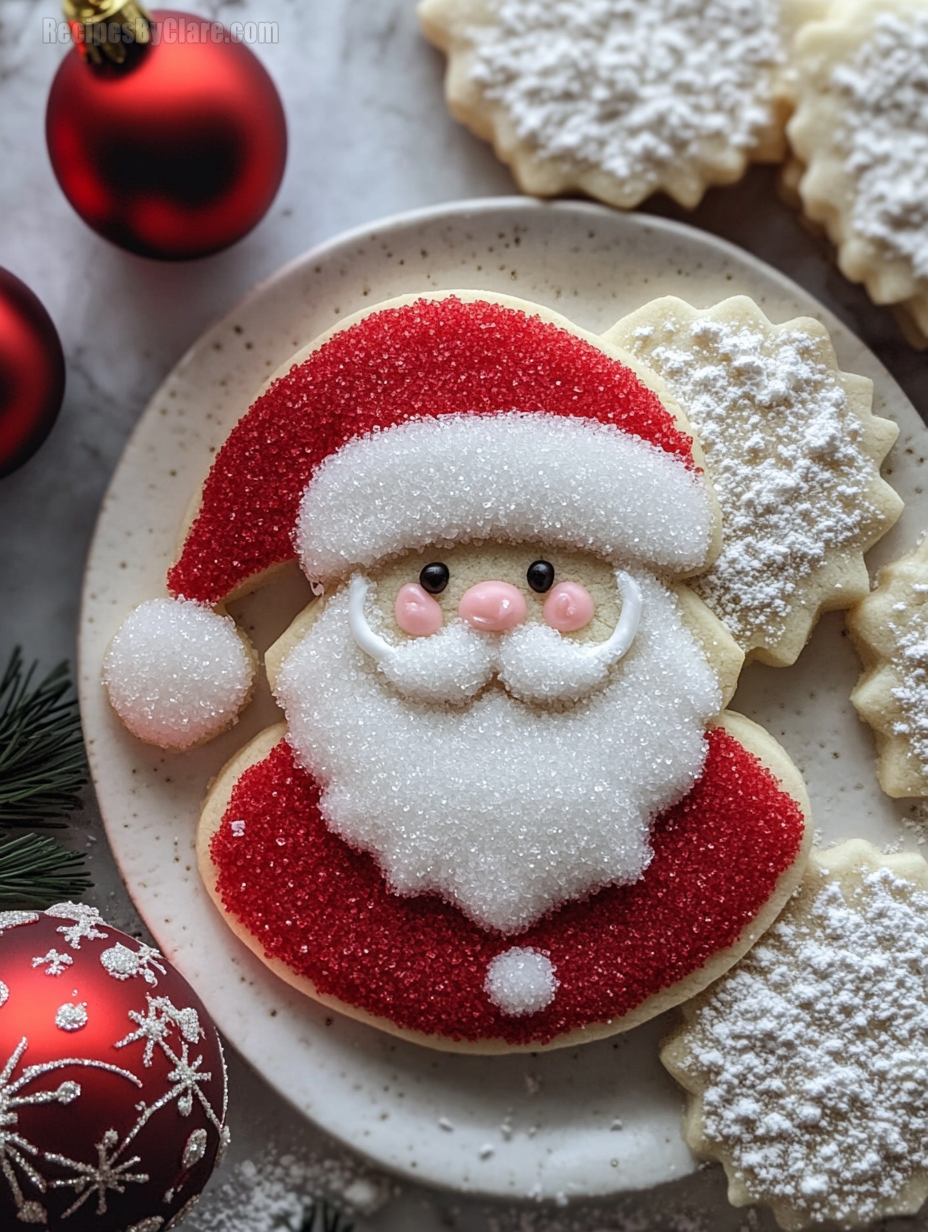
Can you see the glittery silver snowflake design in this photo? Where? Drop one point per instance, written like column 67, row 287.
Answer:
column 57, row 963
column 154, row 1223
column 195, row 1150
column 16, row 1152
column 122, row 963
column 183, row 1213
column 155, row 1026
column 15, row 919
column 83, row 926
column 98, row 1179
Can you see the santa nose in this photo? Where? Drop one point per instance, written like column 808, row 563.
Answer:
column 493, row 607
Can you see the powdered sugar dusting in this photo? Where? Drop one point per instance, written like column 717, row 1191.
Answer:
column 814, row 1052
column 783, row 453
column 278, row 1191
column 884, row 89
column 631, row 86
column 910, row 660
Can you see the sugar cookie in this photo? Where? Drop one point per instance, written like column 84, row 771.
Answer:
column 793, row 451
column 506, row 809
column 890, row 631
column 620, row 99
column 804, row 1066
column 861, row 129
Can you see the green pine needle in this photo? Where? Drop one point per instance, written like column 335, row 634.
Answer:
column 42, row 760
column 35, row 871
column 320, row 1216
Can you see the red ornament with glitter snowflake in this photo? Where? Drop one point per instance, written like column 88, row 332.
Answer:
column 113, row 1086
column 178, row 151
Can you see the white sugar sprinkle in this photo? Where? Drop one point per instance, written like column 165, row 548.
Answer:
column 814, row 1052
column 631, row 86
column 783, row 452
column 177, row 672
column 884, row 89
column 521, row 981
column 505, row 808
column 513, row 476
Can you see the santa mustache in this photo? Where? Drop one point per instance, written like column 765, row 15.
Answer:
column 533, row 662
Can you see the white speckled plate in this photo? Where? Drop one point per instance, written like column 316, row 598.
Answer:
column 592, row 1121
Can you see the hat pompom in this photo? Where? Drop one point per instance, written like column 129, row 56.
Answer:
column 178, row 672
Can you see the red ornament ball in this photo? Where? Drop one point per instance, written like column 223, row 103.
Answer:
column 113, row 1084
column 31, row 373
column 176, row 154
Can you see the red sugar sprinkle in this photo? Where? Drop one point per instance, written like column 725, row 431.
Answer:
column 325, row 910
column 428, row 358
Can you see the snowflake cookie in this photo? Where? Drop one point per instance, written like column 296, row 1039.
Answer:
column 861, row 129
column 620, row 98
column 793, row 452
column 805, row 1065
column 890, row 630
column 507, row 808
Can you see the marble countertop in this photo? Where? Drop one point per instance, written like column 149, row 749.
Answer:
column 369, row 137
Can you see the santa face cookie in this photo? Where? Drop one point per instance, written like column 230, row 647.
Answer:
column 861, row 130
column 804, row 1066
column 620, row 100
column 503, row 811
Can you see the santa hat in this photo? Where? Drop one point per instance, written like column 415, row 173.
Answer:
column 438, row 420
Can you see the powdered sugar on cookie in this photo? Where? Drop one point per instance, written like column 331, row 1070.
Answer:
column 810, row 1056
column 890, row 630
column 911, row 663
column 619, row 98
column 631, row 87
column 885, row 132
column 860, row 129
column 789, row 454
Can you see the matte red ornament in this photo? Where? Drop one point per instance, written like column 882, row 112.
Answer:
column 113, row 1085
column 31, row 373
column 175, row 154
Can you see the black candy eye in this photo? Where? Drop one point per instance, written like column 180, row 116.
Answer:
column 540, row 576
column 434, row 577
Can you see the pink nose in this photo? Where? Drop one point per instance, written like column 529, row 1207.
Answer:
column 493, row 607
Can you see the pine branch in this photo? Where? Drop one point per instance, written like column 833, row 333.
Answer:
column 42, row 760
column 35, row 871
column 321, row 1216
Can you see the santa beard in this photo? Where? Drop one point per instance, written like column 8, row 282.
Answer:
column 504, row 808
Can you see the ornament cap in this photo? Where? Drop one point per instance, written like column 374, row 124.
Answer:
column 106, row 31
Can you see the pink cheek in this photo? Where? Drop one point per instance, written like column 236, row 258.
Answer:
column 417, row 613
column 569, row 607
